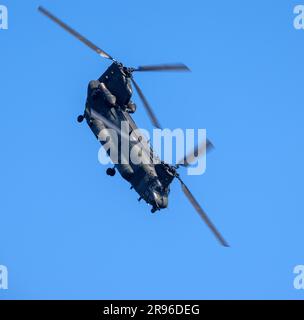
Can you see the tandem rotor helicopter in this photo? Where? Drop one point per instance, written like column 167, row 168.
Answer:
column 109, row 104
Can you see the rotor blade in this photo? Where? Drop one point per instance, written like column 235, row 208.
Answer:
column 203, row 215
column 75, row 33
column 196, row 153
column 164, row 67
column 146, row 105
column 109, row 124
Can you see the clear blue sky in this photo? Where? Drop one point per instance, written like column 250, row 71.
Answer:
column 69, row 231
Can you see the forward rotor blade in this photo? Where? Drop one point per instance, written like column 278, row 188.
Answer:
column 196, row 153
column 75, row 33
column 109, row 124
column 164, row 67
column 203, row 215
column 146, row 105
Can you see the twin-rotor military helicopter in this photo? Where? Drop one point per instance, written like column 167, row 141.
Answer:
column 108, row 105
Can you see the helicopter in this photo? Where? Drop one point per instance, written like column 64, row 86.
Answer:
column 108, row 104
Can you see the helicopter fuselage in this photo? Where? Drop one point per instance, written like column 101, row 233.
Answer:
column 110, row 96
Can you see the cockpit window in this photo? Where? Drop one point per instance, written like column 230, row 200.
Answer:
column 157, row 186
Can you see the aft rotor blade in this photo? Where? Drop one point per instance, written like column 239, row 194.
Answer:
column 196, row 153
column 146, row 105
column 203, row 215
column 164, row 67
column 75, row 33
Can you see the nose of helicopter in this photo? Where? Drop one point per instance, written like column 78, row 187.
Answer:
column 159, row 201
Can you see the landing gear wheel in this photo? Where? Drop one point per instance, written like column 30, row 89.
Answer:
column 153, row 210
column 111, row 172
column 80, row 118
